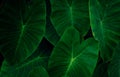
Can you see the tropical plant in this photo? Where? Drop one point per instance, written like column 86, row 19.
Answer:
column 59, row 38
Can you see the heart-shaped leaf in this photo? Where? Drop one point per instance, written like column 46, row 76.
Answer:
column 105, row 23
column 71, row 58
column 32, row 68
column 114, row 67
column 66, row 13
column 22, row 26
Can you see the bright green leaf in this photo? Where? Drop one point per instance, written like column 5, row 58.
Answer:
column 66, row 13
column 71, row 58
column 105, row 23
column 22, row 25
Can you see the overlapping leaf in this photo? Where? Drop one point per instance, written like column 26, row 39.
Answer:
column 105, row 23
column 22, row 26
column 38, row 72
column 66, row 13
column 101, row 70
column 114, row 67
column 50, row 34
column 32, row 68
column 71, row 58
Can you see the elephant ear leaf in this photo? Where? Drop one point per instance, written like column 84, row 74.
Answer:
column 22, row 26
column 114, row 66
column 66, row 13
column 32, row 68
column 38, row 72
column 105, row 23
column 71, row 58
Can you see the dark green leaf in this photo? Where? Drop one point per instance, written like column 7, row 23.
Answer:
column 22, row 26
column 66, row 13
column 114, row 67
column 32, row 68
column 38, row 72
column 105, row 23
column 101, row 68
column 71, row 58
column 50, row 34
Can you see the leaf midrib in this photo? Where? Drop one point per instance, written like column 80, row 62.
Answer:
column 101, row 27
column 70, row 9
column 73, row 59
column 71, row 15
column 22, row 30
column 21, row 35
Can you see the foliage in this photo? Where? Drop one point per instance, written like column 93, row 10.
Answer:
column 50, row 38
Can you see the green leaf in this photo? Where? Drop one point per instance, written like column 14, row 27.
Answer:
column 114, row 67
column 101, row 68
column 66, row 13
column 22, row 28
column 38, row 72
column 32, row 68
column 50, row 34
column 71, row 58
column 105, row 23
